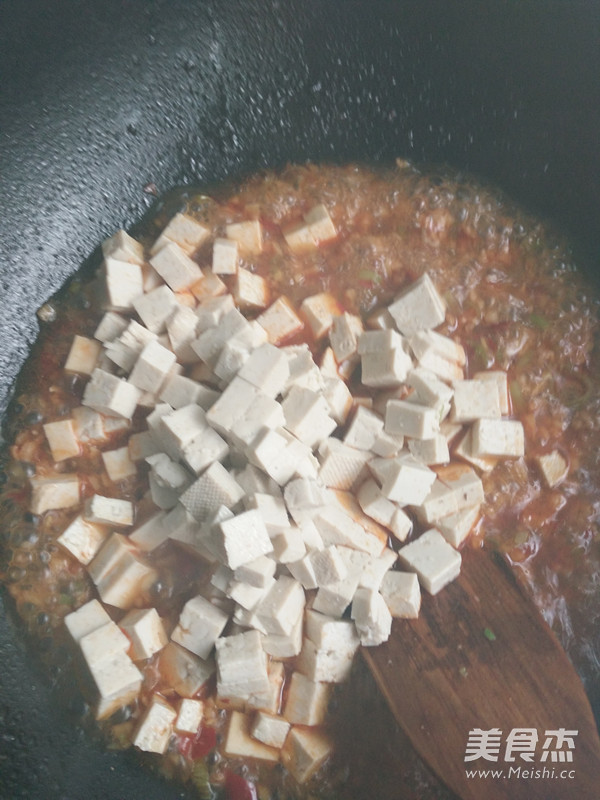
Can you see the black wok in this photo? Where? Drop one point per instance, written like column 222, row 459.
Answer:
column 99, row 99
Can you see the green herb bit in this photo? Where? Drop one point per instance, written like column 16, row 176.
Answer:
column 201, row 780
column 489, row 634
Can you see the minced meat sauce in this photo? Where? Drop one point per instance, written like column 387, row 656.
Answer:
column 514, row 302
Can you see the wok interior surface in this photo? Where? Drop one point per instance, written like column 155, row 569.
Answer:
column 104, row 103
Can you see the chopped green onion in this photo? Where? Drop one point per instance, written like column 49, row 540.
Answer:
column 201, row 780
column 489, row 634
column 369, row 275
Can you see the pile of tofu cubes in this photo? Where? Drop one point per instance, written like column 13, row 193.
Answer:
column 304, row 497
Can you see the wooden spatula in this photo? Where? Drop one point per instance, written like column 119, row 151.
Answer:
column 480, row 656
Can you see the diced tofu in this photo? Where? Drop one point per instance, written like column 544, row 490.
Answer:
column 307, row 416
column 109, row 511
column 124, row 282
column 145, row 630
column 152, row 367
column 305, row 751
column 403, row 479
column 89, row 617
column 62, row 439
column 263, row 412
column 553, row 467
column 303, row 571
column 267, row 369
column 111, row 326
column 269, row 729
column 304, row 497
column 333, row 599
column 237, row 399
column 200, row 625
column 242, row 538
column 241, row 665
column 320, row 310
column 118, row 464
column 430, row 390
column 82, row 539
column 307, row 701
column 184, row 231
column 430, row 451
column 175, row 267
column 225, row 257
column 371, row 616
column 61, row 491
column 385, row 368
column 168, row 473
column 182, row 670
column 320, row 223
column 281, row 607
column 120, row 575
column 177, row 429
column 280, row 321
column 257, row 572
column 364, row 429
column 401, row 593
column 465, row 483
column 248, row 235
column 118, row 682
column 337, row 527
column 475, row 399
column 179, row 391
column 239, row 743
column 155, row 308
column 339, row 399
column 504, row 438
column 288, row 545
column 374, row 503
column 125, row 350
column 88, row 424
column 428, row 342
column 387, row 445
column 189, row 716
column 156, row 726
column 111, row 395
column 250, row 290
column 434, row 560
column 123, row 247
column 328, row 633
column 374, row 571
column 214, row 487
column 327, row 565
column 419, row 307
column 411, row 419
column 327, row 665
column 299, row 237
column 456, row 527
column 284, row 645
column 440, row 502
column 500, row 379
column 344, row 334
column 208, row 287
column 464, row 449
column 83, row 355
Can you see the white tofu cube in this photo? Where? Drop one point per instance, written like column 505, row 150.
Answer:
column 263, row 412
column 430, row 390
column 303, row 571
column 177, row 429
column 553, row 467
column 152, row 367
column 504, row 438
column 256, row 572
column 305, row 751
column 424, row 343
column 175, row 267
column 145, row 630
column 269, row 729
column 333, row 599
column 339, row 399
column 184, row 231
column 284, row 645
column 465, row 484
column 440, row 502
column 151, row 533
column 327, row 666
column 500, row 379
column 123, row 247
column 337, row 527
column 281, row 607
column 215, row 487
column 225, row 257
column 320, row 223
column 456, row 527
column 184, row 671
column 110, row 327
column 89, row 617
column 328, row 633
column 304, row 497
column 344, row 334
column 320, row 310
column 200, row 625
column 51, row 493
column 371, row 616
column 88, row 425
column 156, row 726
column 280, row 321
column 307, row 416
column 203, row 450
column 111, row 395
column 242, row 538
column 364, row 428
column 62, row 439
column 464, row 449
column 118, row 682
column 374, row 503
column 109, row 511
column 83, row 355
column 155, row 308
column 386, row 368
column 124, row 282
column 419, row 307
column 411, row 419
column 179, row 391
column 118, row 464
column 475, row 399
column 211, row 310
column 402, row 594
column 299, row 237
column 241, row 665
column 430, row 451
column 120, row 575
column 250, row 290
column 208, row 287
column 248, row 235
column 83, row 539
column 239, row 743
column 267, row 369
column 434, row 560
column 288, row 545
column 189, row 716
column 403, row 479
column 374, row 571
column 307, row 701
column 327, row 565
